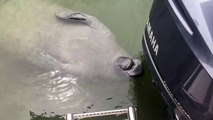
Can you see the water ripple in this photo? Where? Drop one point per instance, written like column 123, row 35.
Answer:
column 58, row 88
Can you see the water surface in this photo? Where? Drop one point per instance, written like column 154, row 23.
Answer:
column 19, row 96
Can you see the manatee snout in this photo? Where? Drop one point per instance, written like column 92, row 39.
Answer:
column 130, row 67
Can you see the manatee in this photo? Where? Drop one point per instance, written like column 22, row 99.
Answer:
column 82, row 46
column 58, row 51
column 76, row 42
column 65, row 50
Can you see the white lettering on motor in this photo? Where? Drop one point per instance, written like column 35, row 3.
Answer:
column 152, row 38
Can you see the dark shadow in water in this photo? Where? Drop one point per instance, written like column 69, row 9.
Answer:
column 149, row 102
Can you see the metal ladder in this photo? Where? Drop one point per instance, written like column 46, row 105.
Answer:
column 130, row 112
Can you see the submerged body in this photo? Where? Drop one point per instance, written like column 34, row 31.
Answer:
column 51, row 43
column 62, row 55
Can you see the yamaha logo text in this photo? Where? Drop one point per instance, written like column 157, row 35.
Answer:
column 152, row 38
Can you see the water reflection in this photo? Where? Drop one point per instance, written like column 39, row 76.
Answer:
column 59, row 88
column 25, row 88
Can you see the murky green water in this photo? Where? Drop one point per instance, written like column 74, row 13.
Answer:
column 21, row 93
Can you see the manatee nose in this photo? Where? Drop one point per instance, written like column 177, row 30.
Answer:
column 136, row 70
column 131, row 67
column 124, row 63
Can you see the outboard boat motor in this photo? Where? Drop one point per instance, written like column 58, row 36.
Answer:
column 178, row 47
